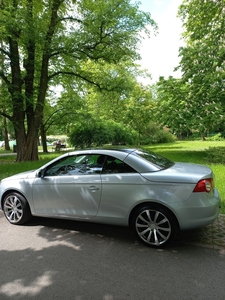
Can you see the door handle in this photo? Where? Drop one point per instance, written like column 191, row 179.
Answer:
column 93, row 188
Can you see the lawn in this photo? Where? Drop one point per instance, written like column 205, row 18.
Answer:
column 191, row 151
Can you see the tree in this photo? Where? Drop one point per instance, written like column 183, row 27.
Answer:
column 45, row 41
column 111, row 102
column 61, row 112
column 203, row 59
column 139, row 109
column 174, row 108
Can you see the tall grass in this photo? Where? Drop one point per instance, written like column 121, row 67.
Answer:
column 187, row 151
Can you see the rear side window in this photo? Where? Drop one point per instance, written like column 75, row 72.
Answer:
column 114, row 165
column 156, row 159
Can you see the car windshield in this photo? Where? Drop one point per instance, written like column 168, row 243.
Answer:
column 156, row 159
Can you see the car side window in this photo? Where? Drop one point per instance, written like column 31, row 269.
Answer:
column 114, row 165
column 77, row 165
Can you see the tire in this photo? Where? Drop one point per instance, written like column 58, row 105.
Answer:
column 16, row 209
column 154, row 226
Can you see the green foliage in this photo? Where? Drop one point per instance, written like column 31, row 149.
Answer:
column 173, row 106
column 184, row 110
column 215, row 155
column 99, row 133
column 216, row 137
column 139, row 109
column 49, row 43
column 202, row 61
column 153, row 135
column 122, row 134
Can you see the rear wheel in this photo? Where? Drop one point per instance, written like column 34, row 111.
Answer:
column 154, row 225
column 16, row 209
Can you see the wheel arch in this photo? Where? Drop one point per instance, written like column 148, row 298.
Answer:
column 153, row 205
column 12, row 191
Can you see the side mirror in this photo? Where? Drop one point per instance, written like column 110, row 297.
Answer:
column 41, row 173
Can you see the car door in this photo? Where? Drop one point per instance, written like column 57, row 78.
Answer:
column 70, row 187
column 122, row 188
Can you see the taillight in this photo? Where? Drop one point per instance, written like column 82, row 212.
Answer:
column 204, row 185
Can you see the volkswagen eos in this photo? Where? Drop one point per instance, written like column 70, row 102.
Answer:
column 130, row 187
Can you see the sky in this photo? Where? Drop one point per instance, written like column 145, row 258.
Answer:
column 160, row 53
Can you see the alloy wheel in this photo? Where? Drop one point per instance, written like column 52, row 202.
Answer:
column 153, row 227
column 13, row 209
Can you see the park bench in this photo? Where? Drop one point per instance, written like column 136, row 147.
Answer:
column 58, row 147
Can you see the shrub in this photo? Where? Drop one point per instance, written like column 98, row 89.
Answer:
column 215, row 155
column 154, row 135
column 216, row 137
column 86, row 136
column 122, row 134
column 100, row 133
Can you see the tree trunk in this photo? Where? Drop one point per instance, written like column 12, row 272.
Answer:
column 27, row 147
column 43, row 139
column 6, row 136
column 28, row 150
column 139, row 138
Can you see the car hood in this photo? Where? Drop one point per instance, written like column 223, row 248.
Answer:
column 22, row 175
column 181, row 173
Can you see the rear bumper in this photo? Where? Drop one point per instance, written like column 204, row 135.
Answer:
column 198, row 211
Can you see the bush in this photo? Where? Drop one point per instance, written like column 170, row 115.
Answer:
column 99, row 133
column 216, row 137
column 86, row 136
column 215, row 155
column 122, row 134
column 155, row 135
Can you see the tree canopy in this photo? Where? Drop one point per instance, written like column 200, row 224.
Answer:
column 44, row 43
column 203, row 60
column 196, row 102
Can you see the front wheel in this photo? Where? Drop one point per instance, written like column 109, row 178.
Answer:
column 154, row 225
column 16, row 209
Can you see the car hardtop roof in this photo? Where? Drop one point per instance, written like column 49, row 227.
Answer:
column 100, row 150
column 120, row 153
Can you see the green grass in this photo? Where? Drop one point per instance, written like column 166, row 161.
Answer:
column 9, row 167
column 191, row 151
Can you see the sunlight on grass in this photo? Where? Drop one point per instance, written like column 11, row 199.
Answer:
column 188, row 145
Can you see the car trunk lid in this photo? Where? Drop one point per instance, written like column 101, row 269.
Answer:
column 180, row 173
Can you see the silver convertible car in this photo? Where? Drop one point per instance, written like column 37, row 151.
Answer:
column 128, row 187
